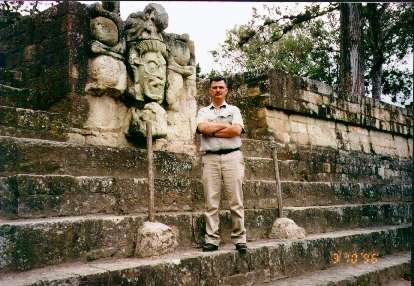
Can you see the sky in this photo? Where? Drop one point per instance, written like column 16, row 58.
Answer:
column 205, row 22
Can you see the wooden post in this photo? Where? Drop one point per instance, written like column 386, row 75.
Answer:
column 151, row 211
column 278, row 184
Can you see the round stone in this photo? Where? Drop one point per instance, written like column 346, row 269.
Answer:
column 104, row 30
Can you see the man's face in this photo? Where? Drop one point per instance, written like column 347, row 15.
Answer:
column 152, row 75
column 218, row 90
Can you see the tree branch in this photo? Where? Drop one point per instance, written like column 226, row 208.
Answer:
column 295, row 21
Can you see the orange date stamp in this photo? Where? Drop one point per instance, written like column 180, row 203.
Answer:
column 354, row 257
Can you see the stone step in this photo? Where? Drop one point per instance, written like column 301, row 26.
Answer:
column 313, row 163
column 11, row 77
column 264, row 261
column 31, row 196
column 256, row 148
column 299, row 193
column 28, row 123
column 387, row 271
column 321, row 219
column 24, row 98
column 71, row 237
column 37, row 156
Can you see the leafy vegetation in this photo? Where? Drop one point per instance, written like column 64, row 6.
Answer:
column 308, row 44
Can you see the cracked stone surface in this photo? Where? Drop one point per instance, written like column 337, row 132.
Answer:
column 154, row 239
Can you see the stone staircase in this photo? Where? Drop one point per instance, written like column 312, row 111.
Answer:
column 70, row 213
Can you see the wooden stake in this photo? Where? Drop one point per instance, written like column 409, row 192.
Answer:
column 278, row 184
column 151, row 210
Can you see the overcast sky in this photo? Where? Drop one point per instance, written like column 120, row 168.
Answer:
column 205, row 22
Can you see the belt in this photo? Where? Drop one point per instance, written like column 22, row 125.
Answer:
column 224, row 151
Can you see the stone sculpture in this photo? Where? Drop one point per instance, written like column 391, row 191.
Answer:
column 107, row 71
column 147, row 59
column 147, row 53
column 149, row 72
column 181, row 93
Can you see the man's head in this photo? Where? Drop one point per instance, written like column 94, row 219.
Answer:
column 218, row 90
column 218, row 78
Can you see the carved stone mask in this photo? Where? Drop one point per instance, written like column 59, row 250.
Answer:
column 152, row 75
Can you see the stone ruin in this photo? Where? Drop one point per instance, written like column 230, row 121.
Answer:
column 137, row 72
column 76, row 82
column 124, row 72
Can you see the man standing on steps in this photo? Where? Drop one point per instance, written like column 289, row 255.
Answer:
column 221, row 125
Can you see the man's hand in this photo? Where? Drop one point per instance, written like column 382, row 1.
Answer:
column 211, row 128
column 229, row 132
column 220, row 130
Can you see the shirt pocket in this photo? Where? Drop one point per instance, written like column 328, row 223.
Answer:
column 225, row 117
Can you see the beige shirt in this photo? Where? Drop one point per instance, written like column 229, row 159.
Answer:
column 226, row 113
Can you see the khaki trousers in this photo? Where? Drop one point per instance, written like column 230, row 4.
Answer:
column 229, row 169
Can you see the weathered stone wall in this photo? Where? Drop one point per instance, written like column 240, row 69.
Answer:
column 300, row 111
column 46, row 63
column 47, row 53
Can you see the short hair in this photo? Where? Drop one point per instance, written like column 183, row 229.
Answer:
column 218, row 78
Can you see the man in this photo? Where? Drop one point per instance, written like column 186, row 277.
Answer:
column 221, row 125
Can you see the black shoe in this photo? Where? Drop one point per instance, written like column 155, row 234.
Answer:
column 241, row 247
column 209, row 247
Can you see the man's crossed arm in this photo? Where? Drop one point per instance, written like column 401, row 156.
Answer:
column 220, row 130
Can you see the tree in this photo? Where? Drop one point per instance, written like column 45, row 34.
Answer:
column 351, row 65
column 283, row 44
column 388, row 39
column 12, row 11
column 375, row 40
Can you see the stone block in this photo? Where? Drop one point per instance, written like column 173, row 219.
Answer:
column 155, row 239
column 45, row 157
column 285, row 228
column 312, row 97
column 402, row 147
column 410, row 146
column 106, row 76
column 221, row 263
column 39, row 196
column 29, row 53
column 333, row 218
column 34, row 124
column 354, row 108
column 278, row 124
column 322, row 133
column 285, row 259
column 313, row 109
column 317, row 86
column 297, row 127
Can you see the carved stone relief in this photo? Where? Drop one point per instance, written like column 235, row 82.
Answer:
column 106, row 68
column 151, row 72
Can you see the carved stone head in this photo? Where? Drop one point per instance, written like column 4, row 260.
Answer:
column 147, row 24
column 152, row 69
column 147, row 53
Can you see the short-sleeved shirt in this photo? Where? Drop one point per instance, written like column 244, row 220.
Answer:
column 226, row 113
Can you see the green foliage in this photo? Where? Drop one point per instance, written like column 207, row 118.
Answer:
column 393, row 22
column 12, row 10
column 212, row 73
column 306, row 43
column 295, row 52
column 18, row 7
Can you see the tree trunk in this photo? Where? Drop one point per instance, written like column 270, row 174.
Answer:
column 345, row 85
column 376, row 81
column 356, row 61
column 374, row 16
column 351, row 64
